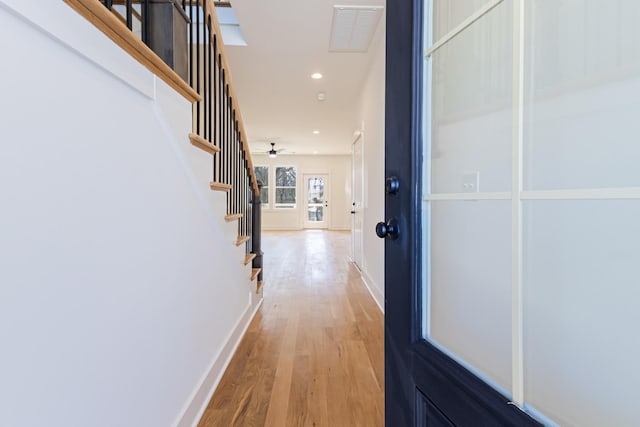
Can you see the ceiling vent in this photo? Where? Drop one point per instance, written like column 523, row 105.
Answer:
column 353, row 27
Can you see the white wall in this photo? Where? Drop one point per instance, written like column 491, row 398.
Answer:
column 369, row 119
column 119, row 302
column 338, row 167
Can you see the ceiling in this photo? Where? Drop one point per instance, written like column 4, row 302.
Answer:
column 287, row 41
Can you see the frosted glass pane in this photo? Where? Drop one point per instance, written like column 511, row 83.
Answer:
column 448, row 14
column 470, row 309
column 581, row 311
column 581, row 98
column 471, row 106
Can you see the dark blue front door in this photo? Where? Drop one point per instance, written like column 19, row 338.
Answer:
column 424, row 387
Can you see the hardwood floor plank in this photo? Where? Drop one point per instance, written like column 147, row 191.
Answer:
column 314, row 353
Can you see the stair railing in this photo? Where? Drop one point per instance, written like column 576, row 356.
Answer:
column 168, row 28
column 217, row 119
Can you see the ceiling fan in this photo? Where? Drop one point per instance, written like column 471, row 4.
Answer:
column 273, row 153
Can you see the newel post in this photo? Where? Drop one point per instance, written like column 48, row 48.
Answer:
column 168, row 26
column 256, row 227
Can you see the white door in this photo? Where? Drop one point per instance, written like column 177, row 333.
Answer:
column 316, row 199
column 357, row 181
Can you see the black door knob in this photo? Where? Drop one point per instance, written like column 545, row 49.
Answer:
column 392, row 185
column 389, row 230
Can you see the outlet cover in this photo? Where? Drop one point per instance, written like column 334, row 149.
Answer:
column 471, row 182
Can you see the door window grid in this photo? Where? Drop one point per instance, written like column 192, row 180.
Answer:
column 516, row 197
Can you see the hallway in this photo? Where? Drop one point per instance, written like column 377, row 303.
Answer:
column 314, row 354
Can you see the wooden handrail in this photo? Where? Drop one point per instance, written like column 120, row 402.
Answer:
column 211, row 10
column 96, row 13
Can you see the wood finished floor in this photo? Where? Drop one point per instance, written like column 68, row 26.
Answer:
column 314, row 353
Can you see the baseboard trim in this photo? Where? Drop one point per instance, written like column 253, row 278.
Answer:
column 199, row 399
column 282, row 229
column 376, row 294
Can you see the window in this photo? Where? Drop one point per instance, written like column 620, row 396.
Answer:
column 285, row 187
column 262, row 175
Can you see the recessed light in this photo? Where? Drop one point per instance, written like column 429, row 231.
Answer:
column 316, row 76
column 315, row 132
column 321, row 96
column 315, row 152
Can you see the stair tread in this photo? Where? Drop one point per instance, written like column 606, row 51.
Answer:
column 232, row 217
column 203, row 144
column 255, row 272
column 260, row 283
column 248, row 258
column 241, row 240
column 220, row 186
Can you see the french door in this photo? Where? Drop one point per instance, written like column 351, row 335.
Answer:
column 316, row 201
column 512, row 196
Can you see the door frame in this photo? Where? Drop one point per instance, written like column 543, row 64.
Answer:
column 327, row 199
column 423, row 386
column 359, row 136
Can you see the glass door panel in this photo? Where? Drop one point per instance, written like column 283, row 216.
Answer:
column 582, row 108
column 316, row 201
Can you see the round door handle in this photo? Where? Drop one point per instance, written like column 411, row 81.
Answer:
column 392, row 185
column 389, row 230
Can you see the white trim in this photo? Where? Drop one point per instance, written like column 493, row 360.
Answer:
column 276, row 228
column 376, row 293
column 359, row 136
column 463, row 25
column 506, row 195
column 200, row 397
column 584, row 194
column 517, row 353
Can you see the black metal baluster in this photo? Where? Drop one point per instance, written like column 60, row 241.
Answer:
column 238, row 172
column 191, row 27
column 205, row 93
column 108, row 4
column 197, row 29
column 244, row 192
column 227, row 142
column 233, row 159
column 223, row 136
column 129, row 13
column 210, row 93
column 145, row 21
column 216, row 160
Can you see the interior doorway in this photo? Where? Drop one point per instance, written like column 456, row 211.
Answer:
column 357, row 183
column 316, row 199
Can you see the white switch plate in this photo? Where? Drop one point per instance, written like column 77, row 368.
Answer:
column 471, row 182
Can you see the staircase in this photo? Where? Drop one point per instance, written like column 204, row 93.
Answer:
column 218, row 128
